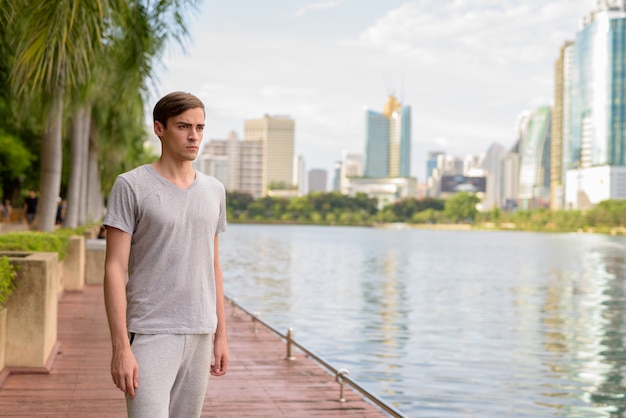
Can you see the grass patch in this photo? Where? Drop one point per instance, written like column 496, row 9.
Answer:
column 7, row 279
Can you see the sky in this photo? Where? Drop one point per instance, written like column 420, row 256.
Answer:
column 467, row 68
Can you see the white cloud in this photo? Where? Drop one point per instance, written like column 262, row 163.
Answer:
column 286, row 91
column 443, row 142
column 483, row 34
column 317, row 6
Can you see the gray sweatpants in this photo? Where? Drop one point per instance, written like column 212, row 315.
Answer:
column 174, row 373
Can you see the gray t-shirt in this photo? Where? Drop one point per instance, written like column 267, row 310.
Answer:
column 171, row 283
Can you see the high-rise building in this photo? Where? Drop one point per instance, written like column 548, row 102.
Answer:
column 491, row 164
column 510, row 179
column 276, row 134
column 235, row 163
column 594, row 126
column 388, row 141
column 214, row 161
column 337, row 176
column 317, row 180
column 470, row 162
column 446, row 166
column 560, row 123
column 534, row 145
column 431, row 162
column 598, row 109
column 351, row 166
column 251, row 168
column 300, row 177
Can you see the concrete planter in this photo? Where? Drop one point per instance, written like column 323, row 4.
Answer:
column 94, row 265
column 4, row 371
column 59, row 276
column 74, row 265
column 31, row 323
column 92, row 233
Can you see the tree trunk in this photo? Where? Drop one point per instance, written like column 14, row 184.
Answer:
column 51, row 162
column 95, row 207
column 77, row 175
column 85, row 127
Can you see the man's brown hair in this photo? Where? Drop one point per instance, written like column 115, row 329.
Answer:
column 174, row 104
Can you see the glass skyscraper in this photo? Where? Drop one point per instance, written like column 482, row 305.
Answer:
column 561, row 111
column 597, row 134
column 388, row 141
column 431, row 162
column 589, row 131
column 535, row 159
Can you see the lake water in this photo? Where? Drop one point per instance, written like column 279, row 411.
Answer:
column 447, row 323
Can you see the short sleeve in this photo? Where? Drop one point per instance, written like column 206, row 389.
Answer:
column 121, row 206
column 221, row 222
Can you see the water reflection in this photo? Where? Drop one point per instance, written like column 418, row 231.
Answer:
column 448, row 324
column 583, row 331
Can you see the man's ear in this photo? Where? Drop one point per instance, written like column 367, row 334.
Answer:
column 159, row 129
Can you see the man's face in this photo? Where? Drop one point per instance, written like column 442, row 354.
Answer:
column 183, row 135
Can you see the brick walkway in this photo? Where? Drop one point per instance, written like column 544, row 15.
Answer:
column 260, row 383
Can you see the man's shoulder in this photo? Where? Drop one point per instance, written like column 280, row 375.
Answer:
column 209, row 180
column 137, row 171
column 136, row 174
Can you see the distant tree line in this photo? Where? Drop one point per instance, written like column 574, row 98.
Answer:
column 336, row 209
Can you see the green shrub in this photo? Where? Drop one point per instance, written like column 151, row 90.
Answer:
column 54, row 242
column 7, row 280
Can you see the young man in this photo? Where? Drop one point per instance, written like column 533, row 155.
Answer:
column 167, row 322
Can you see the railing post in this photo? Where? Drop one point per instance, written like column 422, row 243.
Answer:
column 255, row 323
column 339, row 378
column 290, row 355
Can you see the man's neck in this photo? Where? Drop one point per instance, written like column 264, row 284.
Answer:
column 179, row 173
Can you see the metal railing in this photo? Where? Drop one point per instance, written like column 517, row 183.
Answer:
column 341, row 375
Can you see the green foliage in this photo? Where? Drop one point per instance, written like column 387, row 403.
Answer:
column 493, row 215
column 566, row 220
column 319, row 208
column 334, row 208
column 607, row 213
column 101, row 52
column 300, row 207
column 387, row 215
column 7, row 279
column 406, row 208
column 281, row 185
column 56, row 242
column 462, row 207
column 427, row 216
column 15, row 158
column 238, row 201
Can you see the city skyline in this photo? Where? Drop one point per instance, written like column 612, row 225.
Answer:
column 467, row 68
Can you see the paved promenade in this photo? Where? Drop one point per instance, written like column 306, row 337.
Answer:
column 260, row 383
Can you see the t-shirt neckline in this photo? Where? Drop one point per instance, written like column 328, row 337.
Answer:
column 153, row 171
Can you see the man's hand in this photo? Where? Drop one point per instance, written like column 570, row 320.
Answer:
column 125, row 371
column 220, row 352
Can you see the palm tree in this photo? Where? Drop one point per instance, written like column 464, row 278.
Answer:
column 81, row 126
column 59, row 51
column 55, row 49
column 136, row 37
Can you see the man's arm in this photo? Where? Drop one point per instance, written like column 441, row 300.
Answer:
column 124, row 368
column 220, row 350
